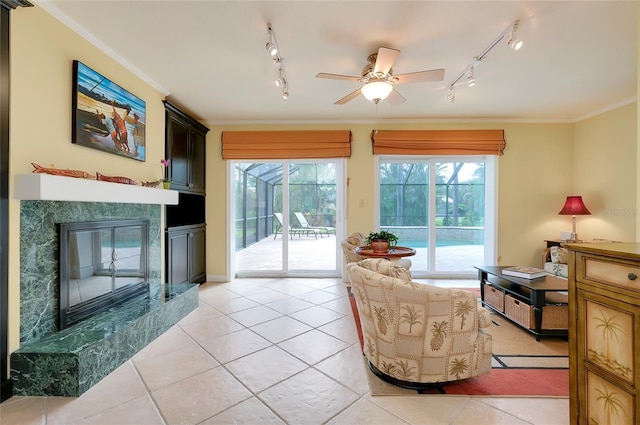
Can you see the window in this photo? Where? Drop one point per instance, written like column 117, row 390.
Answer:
column 441, row 206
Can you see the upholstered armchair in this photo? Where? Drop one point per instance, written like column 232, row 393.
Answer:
column 416, row 334
column 357, row 239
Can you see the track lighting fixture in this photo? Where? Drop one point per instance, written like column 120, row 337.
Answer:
column 281, row 78
column 272, row 45
column 452, row 94
column 513, row 42
column 471, row 80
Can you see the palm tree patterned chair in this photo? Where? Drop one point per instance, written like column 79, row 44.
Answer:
column 416, row 335
column 357, row 239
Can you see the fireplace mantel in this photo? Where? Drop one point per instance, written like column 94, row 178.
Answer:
column 47, row 187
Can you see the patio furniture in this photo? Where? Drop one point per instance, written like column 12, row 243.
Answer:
column 292, row 231
column 305, row 225
column 417, row 335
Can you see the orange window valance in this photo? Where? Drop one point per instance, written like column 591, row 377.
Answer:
column 286, row 144
column 438, row 142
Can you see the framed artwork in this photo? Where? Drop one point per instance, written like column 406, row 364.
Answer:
column 105, row 116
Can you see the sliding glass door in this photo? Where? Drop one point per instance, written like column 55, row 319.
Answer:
column 286, row 217
column 443, row 208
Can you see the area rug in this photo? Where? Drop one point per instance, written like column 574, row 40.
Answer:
column 522, row 366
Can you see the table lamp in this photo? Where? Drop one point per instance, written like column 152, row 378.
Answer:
column 574, row 206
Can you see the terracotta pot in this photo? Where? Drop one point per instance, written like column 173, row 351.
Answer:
column 380, row 246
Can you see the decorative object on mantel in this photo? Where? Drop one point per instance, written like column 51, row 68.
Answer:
column 115, row 179
column 166, row 181
column 151, row 184
column 56, row 172
column 105, row 116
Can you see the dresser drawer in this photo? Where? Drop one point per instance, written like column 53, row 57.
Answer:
column 619, row 274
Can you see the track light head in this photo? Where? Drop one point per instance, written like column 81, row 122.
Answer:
column 272, row 45
column 452, row 94
column 285, row 95
column 272, row 48
column 471, row 80
column 514, row 42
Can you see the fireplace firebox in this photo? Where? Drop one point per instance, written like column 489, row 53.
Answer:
column 102, row 264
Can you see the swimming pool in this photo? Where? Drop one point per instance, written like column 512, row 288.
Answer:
column 415, row 243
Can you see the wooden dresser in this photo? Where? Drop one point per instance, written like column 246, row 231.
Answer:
column 604, row 333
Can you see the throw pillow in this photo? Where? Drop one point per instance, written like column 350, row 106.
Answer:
column 559, row 255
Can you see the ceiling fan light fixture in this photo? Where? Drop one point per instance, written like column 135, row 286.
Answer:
column 376, row 91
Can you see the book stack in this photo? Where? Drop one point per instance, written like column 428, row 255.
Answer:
column 525, row 272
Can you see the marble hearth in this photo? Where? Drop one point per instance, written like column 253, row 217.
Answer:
column 67, row 363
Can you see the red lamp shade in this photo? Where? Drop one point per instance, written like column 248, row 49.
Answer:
column 574, row 206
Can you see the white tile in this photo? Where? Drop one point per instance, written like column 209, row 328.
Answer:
column 316, row 316
column 279, row 329
column 140, row 411
column 203, row 313
column 343, row 328
column 253, row 316
column 309, row 397
column 365, row 412
column 249, row 412
column 313, row 346
column 318, row 297
column 204, row 331
column 200, row 397
column 192, row 360
column 264, row 368
column 348, row 368
column 230, row 306
column 229, row 347
column 289, row 305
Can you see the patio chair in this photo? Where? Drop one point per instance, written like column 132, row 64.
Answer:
column 305, row 225
column 292, row 231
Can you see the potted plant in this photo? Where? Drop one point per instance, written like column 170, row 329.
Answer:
column 381, row 241
column 165, row 180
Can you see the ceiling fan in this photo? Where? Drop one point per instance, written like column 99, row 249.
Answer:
column 379, row 79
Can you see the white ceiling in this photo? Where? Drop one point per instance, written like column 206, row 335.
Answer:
column 209, row 57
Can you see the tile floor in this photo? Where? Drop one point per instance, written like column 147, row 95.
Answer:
column 266, row 351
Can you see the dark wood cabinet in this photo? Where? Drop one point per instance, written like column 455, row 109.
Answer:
column 186, row 254
column 186, row 148
column 185, row 223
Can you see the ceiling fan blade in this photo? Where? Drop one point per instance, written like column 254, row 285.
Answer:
column 384, row 61
column 421, row 76
column 348, row 98
column 336, row 76
column 395, row 98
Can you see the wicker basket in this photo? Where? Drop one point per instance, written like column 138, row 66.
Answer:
column 494, row 297
column 553, row 316
column 518, row 311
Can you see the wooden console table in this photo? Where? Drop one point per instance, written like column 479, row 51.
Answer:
column 524, row 301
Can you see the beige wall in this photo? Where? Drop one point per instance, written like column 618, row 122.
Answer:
column 605, row 167
column 42, row 51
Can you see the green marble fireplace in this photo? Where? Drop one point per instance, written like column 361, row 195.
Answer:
column 69, row 362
